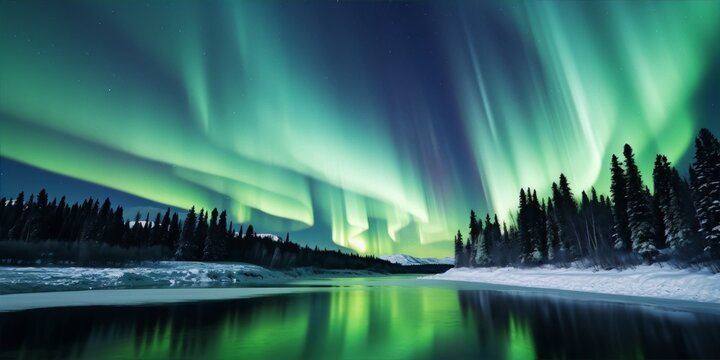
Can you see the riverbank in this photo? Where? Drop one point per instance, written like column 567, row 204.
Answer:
column 646, row 280
column 170, row 274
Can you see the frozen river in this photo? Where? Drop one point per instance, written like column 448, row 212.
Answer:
column 353, row 318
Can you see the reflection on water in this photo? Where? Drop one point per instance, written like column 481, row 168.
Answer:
column 391, row 322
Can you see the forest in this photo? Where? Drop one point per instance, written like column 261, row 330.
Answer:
column 94, row 233
column 677, row 222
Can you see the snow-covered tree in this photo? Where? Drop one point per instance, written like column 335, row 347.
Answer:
column 706, row 189
column 639, row 212
column 662, row 198
column 621, row 226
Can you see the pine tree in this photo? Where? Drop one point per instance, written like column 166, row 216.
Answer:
column 604, row 219
column 174, row 231
column 495, row 239
column 618, row 190
column 117, row 227
column 524, row 226
column 480, row 252
column 459, row 250
column 156, row 231
column 201, row 232
column 568, row 224
column 587, row 222
column 706, row 190
column 487, row 241
column 165, row 229
column 552, row 230
column 186, row 249
column 215, row 243
column 639, row 212
column 477, row 254
column 662, row 203
column 680, row 223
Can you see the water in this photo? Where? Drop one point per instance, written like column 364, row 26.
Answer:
column 387, row 318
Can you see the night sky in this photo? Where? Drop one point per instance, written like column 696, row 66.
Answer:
column 375, row 126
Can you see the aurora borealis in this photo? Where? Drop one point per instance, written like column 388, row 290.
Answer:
column 377, row 125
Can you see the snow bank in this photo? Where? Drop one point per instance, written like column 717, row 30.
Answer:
column 158, row 274
column 647, row 280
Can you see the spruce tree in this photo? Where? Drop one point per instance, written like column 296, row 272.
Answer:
column 458, row 250
column 568, row 224
column 488, row 240
column 174, row 231
column 165, row 226
column 185, row 249
column 495, row 240
column 201, row 232
column 604, row 219
column 618, row 191
column 467, row 253
column 639, row 212
column 480, row 255
column 215, row 243
column 587, row 225
column 524, row 227
column 157, row 231
column 552, row 232
column 477, row 255
column 706, row 190
column 662, row 203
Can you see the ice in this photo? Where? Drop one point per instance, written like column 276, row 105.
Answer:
column 647, row 280
column 156, row 274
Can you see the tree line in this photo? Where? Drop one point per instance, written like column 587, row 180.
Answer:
column 678, row 221
column 201, row 236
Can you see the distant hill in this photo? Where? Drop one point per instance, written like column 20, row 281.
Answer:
column 406, row 260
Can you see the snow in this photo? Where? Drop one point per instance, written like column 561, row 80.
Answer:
column 141, row 223
column 165, row 274
column 272, row 237
column 647, row 280
column 403, row 259
column 159, row 275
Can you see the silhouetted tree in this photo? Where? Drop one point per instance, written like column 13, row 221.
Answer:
column 618, row 190
column 250, row 233
column 215, row 243
column 639, row 212
column 459, row 256
column 187, row 244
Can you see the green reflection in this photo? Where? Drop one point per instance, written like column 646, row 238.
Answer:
column 364, row 319
column 393, row 322
column 520, row 342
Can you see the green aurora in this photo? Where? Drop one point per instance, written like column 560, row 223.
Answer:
column 378, row 125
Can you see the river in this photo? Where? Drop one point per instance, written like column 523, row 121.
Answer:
column 370, row 318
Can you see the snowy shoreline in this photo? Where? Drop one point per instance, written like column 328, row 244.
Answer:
column 655, row 281
column 162, row 274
